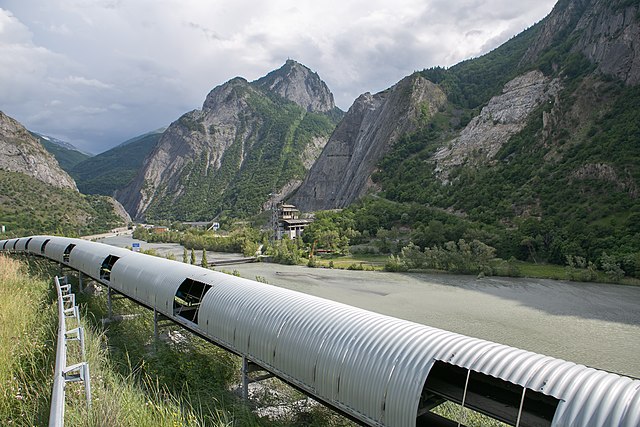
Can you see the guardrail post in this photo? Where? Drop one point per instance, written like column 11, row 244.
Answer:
column 67, row 308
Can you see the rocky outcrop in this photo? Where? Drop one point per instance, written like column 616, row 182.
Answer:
column 119, row 210
column 607, row 173
column 504, row 116
column 22, row 152
column 297, row 83
column 372, row 125
column 216, row 146
column 605, row 31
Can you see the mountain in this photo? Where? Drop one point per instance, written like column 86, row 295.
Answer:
column 22, row 152
column 65, row 153
column 249, row 142
column 112, row 170
column 158, row 131
column 535, row 150
column 38, row 197
column 373, row 124
column 60, row 143
column 28, row 206
column 300, row 85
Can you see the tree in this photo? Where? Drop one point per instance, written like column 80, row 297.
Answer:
column 412, row 256
column 193, row 257
column 185, row 256
column 611, row 267
column 203, row 261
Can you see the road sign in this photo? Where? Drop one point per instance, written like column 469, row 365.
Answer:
column 135, row 247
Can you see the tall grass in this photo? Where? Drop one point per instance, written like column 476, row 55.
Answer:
column 134, row 381
column 28, row 320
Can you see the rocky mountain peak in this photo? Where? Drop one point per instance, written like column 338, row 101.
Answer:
column 297, row 83
column 213, row 157
column 230, row 93
column 23, row 153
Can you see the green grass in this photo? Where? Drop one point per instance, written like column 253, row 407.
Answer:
column 28, row 323
column 542, row 271
column 466, row 416
column 558, row 272
column 367, row 261
column 135, row 381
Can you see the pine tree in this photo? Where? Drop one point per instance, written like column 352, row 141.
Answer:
column 185, row 256
column 193, row 257
column 203, row 261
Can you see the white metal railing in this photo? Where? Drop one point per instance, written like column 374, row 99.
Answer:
column 67, row 309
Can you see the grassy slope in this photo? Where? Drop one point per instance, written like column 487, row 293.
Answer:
column 27, row 325
column 65, row 157
column 543, row 195
column 132, row 383
column 29, row 206
column 113, row 169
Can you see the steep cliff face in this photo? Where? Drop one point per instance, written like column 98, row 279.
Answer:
column 372, row 125
column 248, row 140
column 605, row 31
column 504, row 116
column 22, row 152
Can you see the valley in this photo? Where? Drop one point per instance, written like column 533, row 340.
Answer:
column 496, row 197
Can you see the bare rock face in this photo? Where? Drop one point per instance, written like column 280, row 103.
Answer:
column 119, row 210
column 606, row 172
column 606, row 32
column 504, row 116
column 297, row 83
column 210, row 131
column 372, row 125
column 21, row 152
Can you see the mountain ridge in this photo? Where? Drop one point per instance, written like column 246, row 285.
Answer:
column 23, row 153
column 247, row 141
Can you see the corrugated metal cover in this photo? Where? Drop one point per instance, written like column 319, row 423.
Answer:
column 21, row 244
column 55, row 248
column 36, row 244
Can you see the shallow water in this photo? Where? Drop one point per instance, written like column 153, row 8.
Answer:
column 589, row 323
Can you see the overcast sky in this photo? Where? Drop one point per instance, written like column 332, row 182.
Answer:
column 97, row 72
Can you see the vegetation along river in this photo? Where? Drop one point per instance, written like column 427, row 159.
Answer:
column 589, row 323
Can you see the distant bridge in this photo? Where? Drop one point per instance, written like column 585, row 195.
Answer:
column 374, row 369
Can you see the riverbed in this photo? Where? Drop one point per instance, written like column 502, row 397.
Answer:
column 594, row 324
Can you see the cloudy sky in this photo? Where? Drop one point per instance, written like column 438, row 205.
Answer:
column 97, row 72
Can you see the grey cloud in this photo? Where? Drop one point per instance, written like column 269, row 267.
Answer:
column 132, row 66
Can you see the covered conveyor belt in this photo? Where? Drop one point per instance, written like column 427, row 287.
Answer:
column 376, row 369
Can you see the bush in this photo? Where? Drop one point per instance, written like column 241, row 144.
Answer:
column 395, row 264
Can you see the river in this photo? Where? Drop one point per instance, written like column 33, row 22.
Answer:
column 594, row 324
